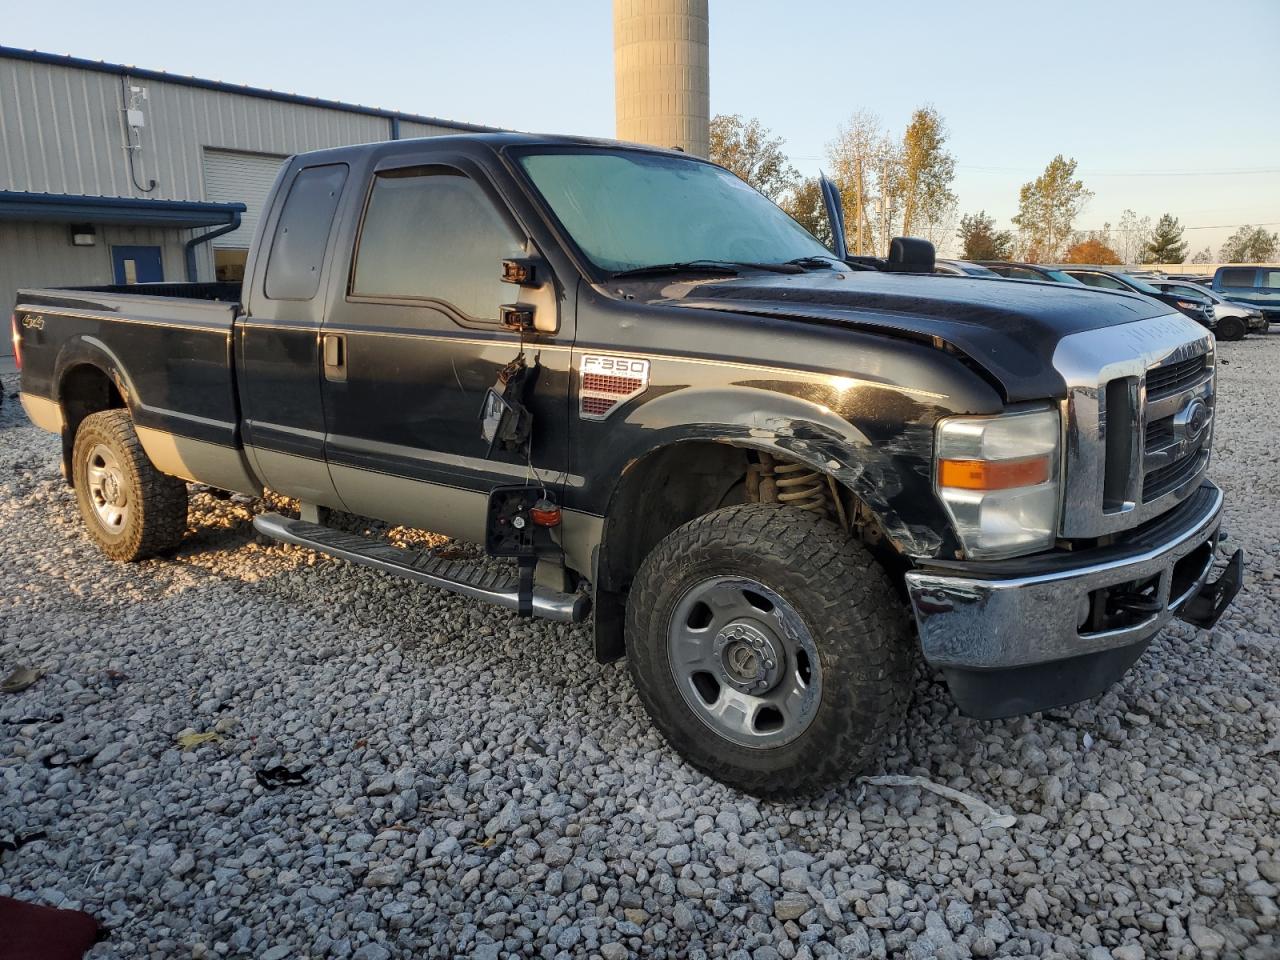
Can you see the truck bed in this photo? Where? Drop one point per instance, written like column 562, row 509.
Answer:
column 168, row 349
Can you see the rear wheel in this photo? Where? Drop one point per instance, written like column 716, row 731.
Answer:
column 1231, row 328
column 769, row 649
column 131, row 510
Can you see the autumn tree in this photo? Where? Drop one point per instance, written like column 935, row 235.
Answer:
column 805, row 205
column 927, row 170
column 1249, row 244
column 1090, row 250
column 1166, row 244
column 980, row 240
column 892, row 186
column 1047, row 207
column 750, row 150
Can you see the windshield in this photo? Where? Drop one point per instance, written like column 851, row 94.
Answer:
column 628, row 209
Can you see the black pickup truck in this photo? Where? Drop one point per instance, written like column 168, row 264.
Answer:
column 769, row 471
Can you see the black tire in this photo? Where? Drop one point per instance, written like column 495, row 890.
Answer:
column 857, row 623
column 154, row 516
column 1231, row 328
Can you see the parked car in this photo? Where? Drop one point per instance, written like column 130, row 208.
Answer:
column 1199, row 311
column 1028, row 271
column 664, row 402
column 1257, row 286
column 962, row 268
column 1231, row 320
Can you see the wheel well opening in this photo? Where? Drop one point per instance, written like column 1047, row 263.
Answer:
column 669, row 487
column 85, row 390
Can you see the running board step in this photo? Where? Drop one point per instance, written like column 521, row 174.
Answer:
column 476, row 580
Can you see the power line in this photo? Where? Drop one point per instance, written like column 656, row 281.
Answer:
column 1207, row 226
column 1232, row 172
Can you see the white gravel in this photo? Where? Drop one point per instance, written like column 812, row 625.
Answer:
column 476, row 785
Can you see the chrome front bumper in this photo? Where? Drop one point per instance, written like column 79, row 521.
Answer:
column 1037, row 616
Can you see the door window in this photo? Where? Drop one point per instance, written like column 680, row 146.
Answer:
column 1270, row 279
column 433, row 234
column 302, row 233
column 1100, row 280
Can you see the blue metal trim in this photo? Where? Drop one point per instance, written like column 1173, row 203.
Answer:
column 139, row 73
column 71, row 208
column 395, row 128
column 189, row 250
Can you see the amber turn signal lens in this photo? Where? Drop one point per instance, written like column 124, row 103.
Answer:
column 993, row 474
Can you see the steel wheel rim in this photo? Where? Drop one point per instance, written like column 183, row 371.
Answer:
column 744, row 661
column 108, row 489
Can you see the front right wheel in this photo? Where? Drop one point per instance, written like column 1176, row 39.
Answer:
column 1231, row 328
column 769, row 648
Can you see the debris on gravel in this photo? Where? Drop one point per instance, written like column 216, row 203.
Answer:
column 475, row 785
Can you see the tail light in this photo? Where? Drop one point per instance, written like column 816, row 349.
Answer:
column 17, row 342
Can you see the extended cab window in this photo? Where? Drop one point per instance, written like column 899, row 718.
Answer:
column 433, row 234
column 302, row 233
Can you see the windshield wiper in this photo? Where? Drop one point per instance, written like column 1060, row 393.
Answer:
column 814, row 262
column 681, row 266
column 728, row 268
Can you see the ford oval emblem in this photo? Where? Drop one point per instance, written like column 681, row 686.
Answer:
column 1195, row 416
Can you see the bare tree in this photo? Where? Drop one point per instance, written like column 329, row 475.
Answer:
column 864, row 164
column 1130, row 238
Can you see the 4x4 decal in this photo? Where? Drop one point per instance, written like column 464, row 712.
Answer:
column 607, row 382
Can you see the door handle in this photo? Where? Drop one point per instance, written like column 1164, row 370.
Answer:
column 334, row 347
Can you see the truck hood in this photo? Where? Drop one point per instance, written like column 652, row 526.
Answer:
column 1008, row 327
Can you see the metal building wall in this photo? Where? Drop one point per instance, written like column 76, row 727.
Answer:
column 41, row 255
column 62, row 131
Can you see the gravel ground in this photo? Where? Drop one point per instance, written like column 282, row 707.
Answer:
column 475, row 785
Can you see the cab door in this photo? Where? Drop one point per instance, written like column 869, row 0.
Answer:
column 278, row 338
column 414, row 339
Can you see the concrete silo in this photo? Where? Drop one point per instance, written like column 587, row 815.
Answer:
column 661, row 84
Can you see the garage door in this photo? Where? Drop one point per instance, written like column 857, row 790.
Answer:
column 232, row 177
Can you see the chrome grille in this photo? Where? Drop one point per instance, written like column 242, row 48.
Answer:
column 1138, row 421
column 1168, row 379
column 1156, row 483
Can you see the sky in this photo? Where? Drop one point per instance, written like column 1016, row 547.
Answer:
column 1166, row 107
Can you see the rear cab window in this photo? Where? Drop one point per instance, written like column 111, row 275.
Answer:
column 296, row 258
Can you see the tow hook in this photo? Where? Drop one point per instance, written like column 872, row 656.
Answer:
column 1204, row 609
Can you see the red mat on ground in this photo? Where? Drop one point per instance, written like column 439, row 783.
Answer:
column 29, row 931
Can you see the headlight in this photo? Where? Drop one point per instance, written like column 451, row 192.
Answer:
column 999, row 479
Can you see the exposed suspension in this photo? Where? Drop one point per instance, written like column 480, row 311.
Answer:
column 770, row 480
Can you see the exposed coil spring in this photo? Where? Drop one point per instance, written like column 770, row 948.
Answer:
column 794, row 485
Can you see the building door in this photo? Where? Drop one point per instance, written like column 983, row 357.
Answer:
column 231, row 176
column 132, row 264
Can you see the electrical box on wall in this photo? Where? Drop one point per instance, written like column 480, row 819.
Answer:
column 136, row 118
